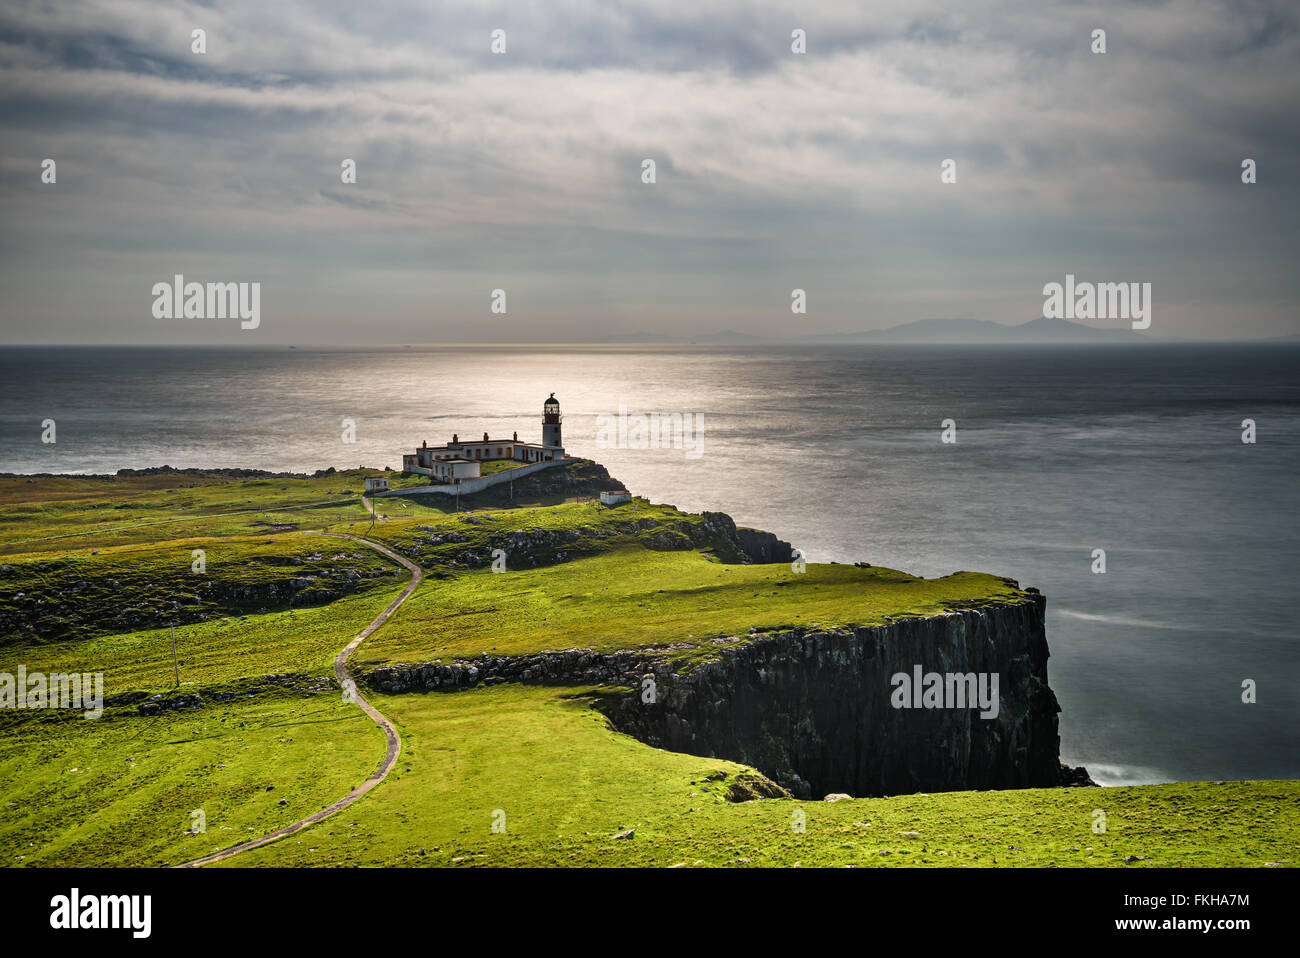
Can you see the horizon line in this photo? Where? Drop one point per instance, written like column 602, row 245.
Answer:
column 762, row 341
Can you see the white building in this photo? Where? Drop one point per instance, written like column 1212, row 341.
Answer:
column 450, row 470
column 614, row 497
column 461, row 460
column 376, row 483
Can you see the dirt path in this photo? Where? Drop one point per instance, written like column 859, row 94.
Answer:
column 344, row 676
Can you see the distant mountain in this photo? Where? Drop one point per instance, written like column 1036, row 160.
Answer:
column 962, row 331
column 728, row 336
column 637, row 336
column 723, row 336
column 955, row 331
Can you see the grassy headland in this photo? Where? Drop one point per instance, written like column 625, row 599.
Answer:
column 275, row 596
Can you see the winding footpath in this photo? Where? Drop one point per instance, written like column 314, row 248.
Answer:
column 342, row 673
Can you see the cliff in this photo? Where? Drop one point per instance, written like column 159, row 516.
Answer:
column 760, row 546
column 811, row 708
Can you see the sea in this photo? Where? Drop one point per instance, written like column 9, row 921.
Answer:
column 1055, row 452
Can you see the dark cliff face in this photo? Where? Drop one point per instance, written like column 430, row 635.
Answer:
column 812, row 710
column 760, row 546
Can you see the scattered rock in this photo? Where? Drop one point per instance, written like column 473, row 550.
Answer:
column 1076, row 777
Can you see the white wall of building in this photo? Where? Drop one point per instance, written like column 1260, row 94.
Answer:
column 470, row 486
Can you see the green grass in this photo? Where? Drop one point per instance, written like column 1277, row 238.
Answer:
column 121, row 790
column 221, row 650
column 79, row 594
column 633, row 597
column 57, row 514
column 532, row 536
column 567, row 785
column 493, row 466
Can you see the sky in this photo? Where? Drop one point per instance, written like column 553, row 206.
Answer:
column 522, row 171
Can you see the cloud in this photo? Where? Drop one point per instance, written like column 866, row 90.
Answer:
column 775, row 170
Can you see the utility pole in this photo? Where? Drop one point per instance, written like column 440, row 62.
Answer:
column 176, row 668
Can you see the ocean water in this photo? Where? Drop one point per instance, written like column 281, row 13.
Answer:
column 1059, row 451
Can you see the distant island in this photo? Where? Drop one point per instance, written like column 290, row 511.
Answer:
column 972, row 331
column 937, row 331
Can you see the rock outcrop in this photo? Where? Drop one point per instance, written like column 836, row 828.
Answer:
column 79, row 599
column 762, row 546
column 582, row 477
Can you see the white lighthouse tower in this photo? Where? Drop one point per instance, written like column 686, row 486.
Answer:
column 551, row 426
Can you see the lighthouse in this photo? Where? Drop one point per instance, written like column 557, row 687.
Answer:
column 458, row 460
column 551, row 425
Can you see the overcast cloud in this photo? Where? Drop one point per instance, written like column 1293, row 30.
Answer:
column 522, row 171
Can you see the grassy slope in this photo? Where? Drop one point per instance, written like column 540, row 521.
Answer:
column 68, row 596
column 71, row 513
column 168, row 516
column 84, row 514
column 492, row 467
column 296, row 640
column 596, row 529
column 68, row 793
column 70, row 796
column 567, row 785
column 633, row 597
